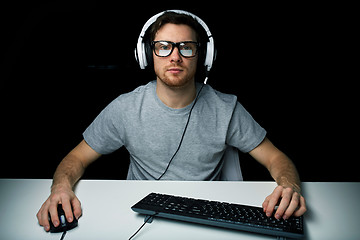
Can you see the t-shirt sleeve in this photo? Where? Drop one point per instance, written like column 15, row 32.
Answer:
column 104, row 133
column 244, row 132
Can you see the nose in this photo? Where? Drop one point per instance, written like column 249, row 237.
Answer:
column 175, row 56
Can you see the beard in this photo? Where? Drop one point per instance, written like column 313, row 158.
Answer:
column 176, row 80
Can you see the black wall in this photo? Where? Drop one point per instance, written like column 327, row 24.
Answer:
column 289, row 65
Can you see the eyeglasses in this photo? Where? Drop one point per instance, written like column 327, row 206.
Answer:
column 187, row 49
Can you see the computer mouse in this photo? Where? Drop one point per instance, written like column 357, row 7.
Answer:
column 64, row 224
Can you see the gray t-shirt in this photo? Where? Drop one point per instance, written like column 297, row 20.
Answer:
column 151, row 132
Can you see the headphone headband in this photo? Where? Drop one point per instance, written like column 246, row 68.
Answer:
column 140, row 50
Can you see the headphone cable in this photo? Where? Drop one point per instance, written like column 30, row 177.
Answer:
column 182, row 137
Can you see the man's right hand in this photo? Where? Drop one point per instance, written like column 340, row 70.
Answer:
column 69, row 201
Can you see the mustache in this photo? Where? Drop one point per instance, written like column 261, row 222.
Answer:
column 177, row 66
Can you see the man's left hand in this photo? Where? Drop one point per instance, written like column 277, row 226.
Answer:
column 291, row 203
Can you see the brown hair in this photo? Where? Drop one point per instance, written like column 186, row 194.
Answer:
column 175, row 18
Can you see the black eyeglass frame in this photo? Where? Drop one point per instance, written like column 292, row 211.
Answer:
column 175, row 45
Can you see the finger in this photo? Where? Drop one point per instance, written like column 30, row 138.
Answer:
column 43, row 216
column 302, row 209
column 45, row 220
column 39, row 215
column 273, row 200
column 68, row 210
column 294, row 204
column 76, row 205
column 284, row 203
column 54, row 214
column 265, row 204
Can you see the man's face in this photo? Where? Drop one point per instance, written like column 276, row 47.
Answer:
column 175, row 70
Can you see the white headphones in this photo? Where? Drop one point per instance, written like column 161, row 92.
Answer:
column 140, row 50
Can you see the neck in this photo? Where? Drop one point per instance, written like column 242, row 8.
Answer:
column 176, row 97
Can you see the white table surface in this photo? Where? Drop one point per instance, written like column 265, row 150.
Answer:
column 333, row 209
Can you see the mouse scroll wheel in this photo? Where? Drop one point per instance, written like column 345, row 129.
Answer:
column 62, row 220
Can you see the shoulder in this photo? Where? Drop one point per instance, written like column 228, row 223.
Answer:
column 132, row 99
column 216, row 107
column 137, row 92
column 212, row 96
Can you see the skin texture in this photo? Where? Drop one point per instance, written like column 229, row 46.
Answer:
column 175, row 74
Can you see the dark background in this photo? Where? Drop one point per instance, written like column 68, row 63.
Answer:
column 291, row 66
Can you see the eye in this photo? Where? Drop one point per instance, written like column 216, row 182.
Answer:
column 188, row 49
column 188, row 46
column 164, row 47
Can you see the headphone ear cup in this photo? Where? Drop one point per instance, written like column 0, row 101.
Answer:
column 148, row 53
column 209, row 57
column 140, row 55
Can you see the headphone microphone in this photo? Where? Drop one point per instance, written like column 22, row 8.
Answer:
column 142, row 45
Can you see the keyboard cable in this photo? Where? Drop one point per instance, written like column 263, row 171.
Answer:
column 148, row 219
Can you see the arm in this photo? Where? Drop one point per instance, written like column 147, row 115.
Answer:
column 286, row 176
column 66, row 176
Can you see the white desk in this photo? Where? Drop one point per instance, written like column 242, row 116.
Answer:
column 333, row 209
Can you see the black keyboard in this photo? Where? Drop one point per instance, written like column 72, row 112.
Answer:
column 220, row 214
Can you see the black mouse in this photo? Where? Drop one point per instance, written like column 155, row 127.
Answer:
column 64, row 224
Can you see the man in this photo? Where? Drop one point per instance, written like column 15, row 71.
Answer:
column 150, row 122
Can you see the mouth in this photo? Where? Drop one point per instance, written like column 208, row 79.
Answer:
column 175, row 70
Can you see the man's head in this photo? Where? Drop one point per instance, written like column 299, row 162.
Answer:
column 182, row 33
